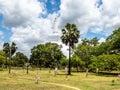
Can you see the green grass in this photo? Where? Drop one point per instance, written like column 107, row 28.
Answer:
column 22, row 81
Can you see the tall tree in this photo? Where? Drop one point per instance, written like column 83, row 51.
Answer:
column 114, row 41
column 70, row 36
column 105, row 62
column 9, row 50
column 84, row 51
column 94, row 41
column 19, row 59
column 77, row 62
column 46, row 54
column 2, row 58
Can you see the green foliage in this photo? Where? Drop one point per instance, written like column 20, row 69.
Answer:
column 88, row 53
column 96, row 55
column 70, row 35
column 103, row 48
column 77, row 80
column 77, row 63
column 2, row 58
column 105, row 62
column 46, row 55
column 19, row 59
column 84, row 51
column 94, row 41
column 64, row 61
column 9, row 50
column 6, row 49
column 114, row 41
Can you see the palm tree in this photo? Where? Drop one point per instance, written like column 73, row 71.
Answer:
column 9, row 51
column 70, row 36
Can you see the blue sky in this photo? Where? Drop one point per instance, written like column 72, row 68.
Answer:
column 6, row 31
column 53, row 6
column 30, row 22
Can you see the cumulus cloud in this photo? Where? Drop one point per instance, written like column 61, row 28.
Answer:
column 83, row 13
column 20, row 12
column 102, row 40
column 98, row 14
column 53, row 2
column 30, row 28
column 32, row 35
column 1, row 44
column 1, row 39
column 111, row 13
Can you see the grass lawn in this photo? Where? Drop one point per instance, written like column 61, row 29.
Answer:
column 22, row 81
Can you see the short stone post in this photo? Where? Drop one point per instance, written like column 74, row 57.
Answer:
column 66, row 73
column 97, row 70
column 37, row 78
column 56, row 71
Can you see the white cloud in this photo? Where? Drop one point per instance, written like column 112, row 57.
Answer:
column 111, row 13
column 83, row 13
column 102, row 40
column 1, row 45
column 20, row 12
column 39, row 31
column 32, row 35
column 96, row 29
column 86, row 14
column 1, row 39
column 65, row 50
column 30, row 28
column 53, row 2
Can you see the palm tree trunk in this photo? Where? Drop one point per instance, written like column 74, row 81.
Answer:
column 69, row 67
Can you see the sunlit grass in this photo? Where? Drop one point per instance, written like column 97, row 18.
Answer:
column 22, row 81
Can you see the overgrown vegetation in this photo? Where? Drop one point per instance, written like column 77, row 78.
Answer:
column 87, row 55
column 23, row 81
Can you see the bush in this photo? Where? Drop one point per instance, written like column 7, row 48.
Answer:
column 1, row 69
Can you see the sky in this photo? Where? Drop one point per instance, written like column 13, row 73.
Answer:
column 32, row 22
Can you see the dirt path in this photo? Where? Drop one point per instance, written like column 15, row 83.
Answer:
column 63, row 85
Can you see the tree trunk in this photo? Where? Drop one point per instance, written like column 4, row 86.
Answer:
column 86, row 72
column 69, row 67
column 40, row 68
column 49, row 70
column 27, row 68
column 77, row 69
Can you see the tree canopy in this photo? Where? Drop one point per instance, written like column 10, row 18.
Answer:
column 46, row 54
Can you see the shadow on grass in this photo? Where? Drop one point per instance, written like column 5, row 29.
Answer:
column 108, row 74
column 61, row 74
